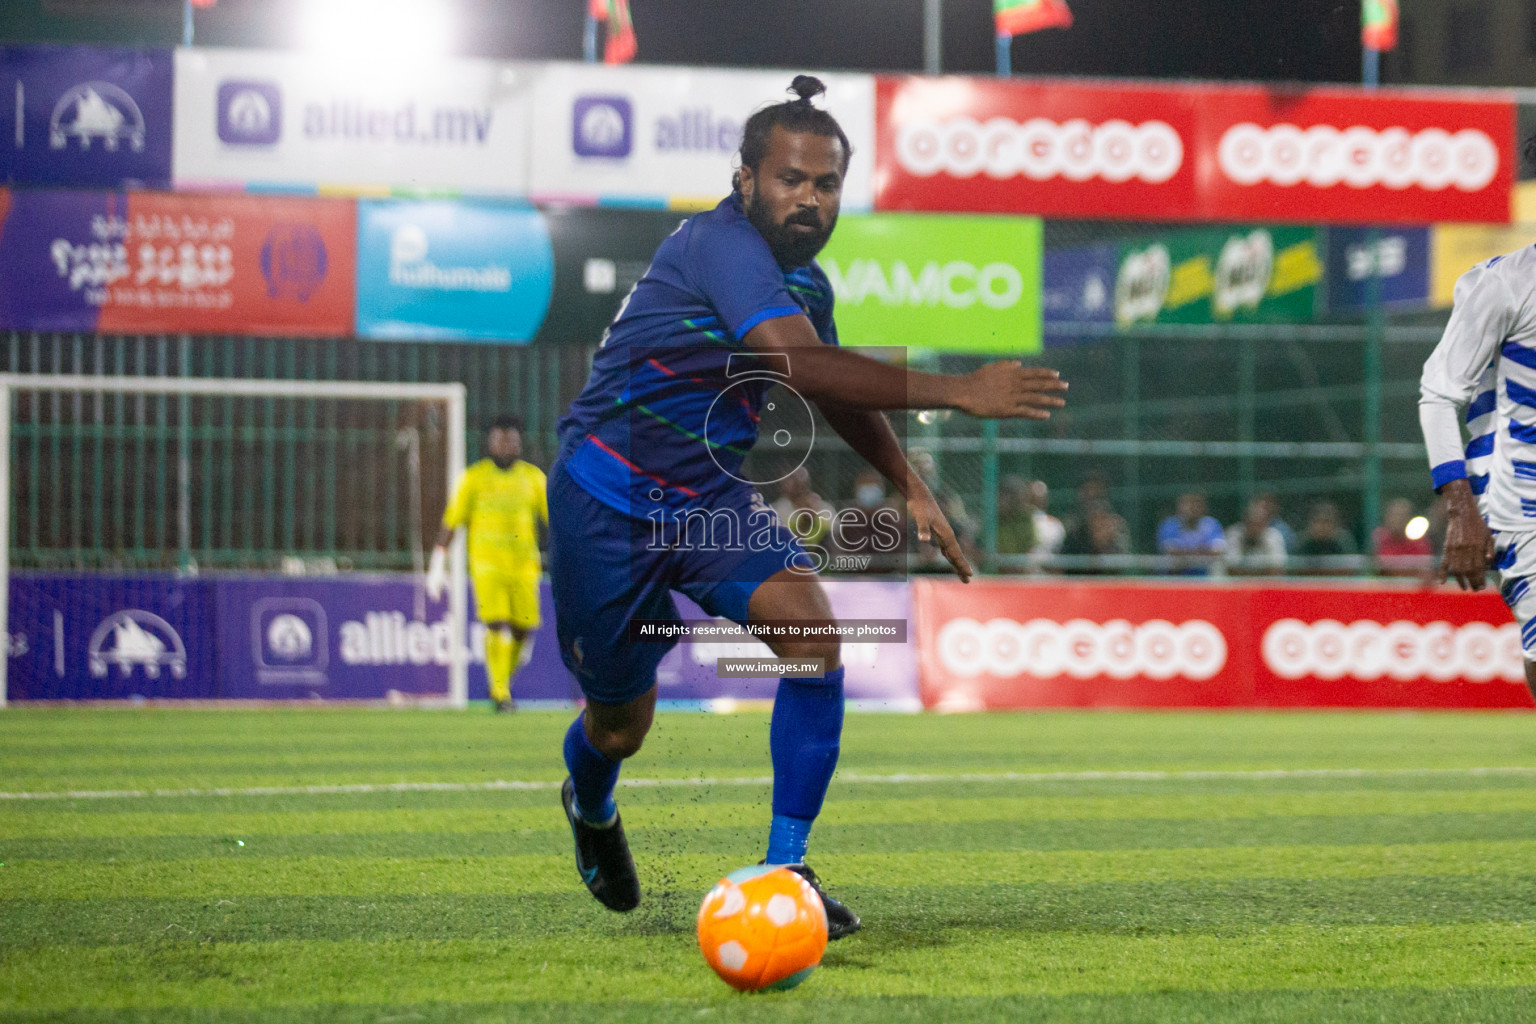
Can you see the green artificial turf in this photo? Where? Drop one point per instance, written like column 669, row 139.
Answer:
column 1050, row 867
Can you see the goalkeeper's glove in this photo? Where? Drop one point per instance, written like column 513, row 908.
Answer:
column 437, row 574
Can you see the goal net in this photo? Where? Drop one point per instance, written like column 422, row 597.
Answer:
column 228, row 539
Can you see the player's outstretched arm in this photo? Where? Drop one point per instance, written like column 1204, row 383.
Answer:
column 823, row 373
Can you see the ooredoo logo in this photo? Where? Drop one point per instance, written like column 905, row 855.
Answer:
column 1328, row 649
column 1082, row 649
column 1360, row 157
column 1041, row 149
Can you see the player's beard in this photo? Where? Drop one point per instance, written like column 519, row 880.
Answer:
column 790, row 249
column 503, row 463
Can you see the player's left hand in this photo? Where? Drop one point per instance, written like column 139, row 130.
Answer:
column 932, row 527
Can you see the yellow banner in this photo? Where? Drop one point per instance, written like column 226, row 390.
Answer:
column 1456, row 248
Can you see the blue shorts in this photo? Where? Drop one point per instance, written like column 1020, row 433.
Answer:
column 607, row 568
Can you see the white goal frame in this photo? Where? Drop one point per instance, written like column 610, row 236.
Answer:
column 453, row 395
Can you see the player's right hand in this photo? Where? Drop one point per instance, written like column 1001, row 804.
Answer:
column 933, row 528
column 1011, row 390
column 1469, row 550
column 437, row 574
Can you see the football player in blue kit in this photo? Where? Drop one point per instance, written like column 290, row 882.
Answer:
column 661, row 430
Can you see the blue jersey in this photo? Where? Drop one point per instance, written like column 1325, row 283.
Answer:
column 647, row 430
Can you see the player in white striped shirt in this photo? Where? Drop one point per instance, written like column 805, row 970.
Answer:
column 1484, row 369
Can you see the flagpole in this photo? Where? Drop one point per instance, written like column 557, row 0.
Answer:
column 589, row 39
column 1004, row 55
column 933, row 37
column 1375, row 329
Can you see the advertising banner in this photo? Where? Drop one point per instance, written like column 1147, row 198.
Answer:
column 1075, row 149
column 1219, row 275
column 85, row 117
column 1399, row 258
column 93, row 637
column 879, row 675
column 666, row 136
column 96, row 637
column 452, row 270
column 1457, row 248
column 996, row 644
column 1079, row 284
column 954, row 284
column 1344, row 156
column 599, row 255
column 278, row 120
column 164, row 262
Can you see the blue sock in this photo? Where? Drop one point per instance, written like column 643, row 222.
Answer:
column 804, row 739
column 593, row 774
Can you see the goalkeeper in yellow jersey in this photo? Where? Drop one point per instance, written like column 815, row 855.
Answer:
column 500, row 501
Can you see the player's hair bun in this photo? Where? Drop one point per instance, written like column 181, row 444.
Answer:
column 807, row 87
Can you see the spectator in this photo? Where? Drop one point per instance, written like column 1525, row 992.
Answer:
column 1192, row 537
column 1092, row 491
column 1015, row 519
column 1325, row 538
column 1255, row 546
column 1396, row 553
column 858, row 532
column 802, row 510
column 1277, row 520
column 1049, row 533
column 1099, row 532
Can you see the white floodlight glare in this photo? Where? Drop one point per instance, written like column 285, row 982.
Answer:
column 374, row 34
column 1417, row 527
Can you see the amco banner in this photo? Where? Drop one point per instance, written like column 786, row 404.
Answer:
column 452, row 270
column 254, row 119
column 667, row 136
column 140, row 262
column 954, row 284
column 85, row 117
column 1219, row 275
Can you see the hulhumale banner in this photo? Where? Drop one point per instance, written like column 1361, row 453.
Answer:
column 254, row 119
column 667, row 136
column 452, row 270
column 954, row 284
column 85, row 117
column 1201, row 152
column 136, row 262
column 1219, row 275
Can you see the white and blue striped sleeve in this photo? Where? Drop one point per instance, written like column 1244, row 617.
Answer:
column 1484, row 310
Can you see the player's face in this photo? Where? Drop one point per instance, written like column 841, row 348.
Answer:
column 504, row 447
column 793, row 197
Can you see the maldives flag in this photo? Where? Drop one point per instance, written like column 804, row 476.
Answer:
column 1378, row 24
column 1016, row 17
column 621, row 45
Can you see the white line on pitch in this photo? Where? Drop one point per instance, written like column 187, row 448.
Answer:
column 852, row 777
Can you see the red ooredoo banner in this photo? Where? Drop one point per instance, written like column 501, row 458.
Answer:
column 993, row 644
column 1191, row 153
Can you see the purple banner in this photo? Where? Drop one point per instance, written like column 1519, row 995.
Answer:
column 82, row 116
column 61, row 254
column 91, row 637
column 1078, row 285
column 881, row 674
column 103, row 637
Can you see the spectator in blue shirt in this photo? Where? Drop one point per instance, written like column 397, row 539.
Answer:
column 1194, row 539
